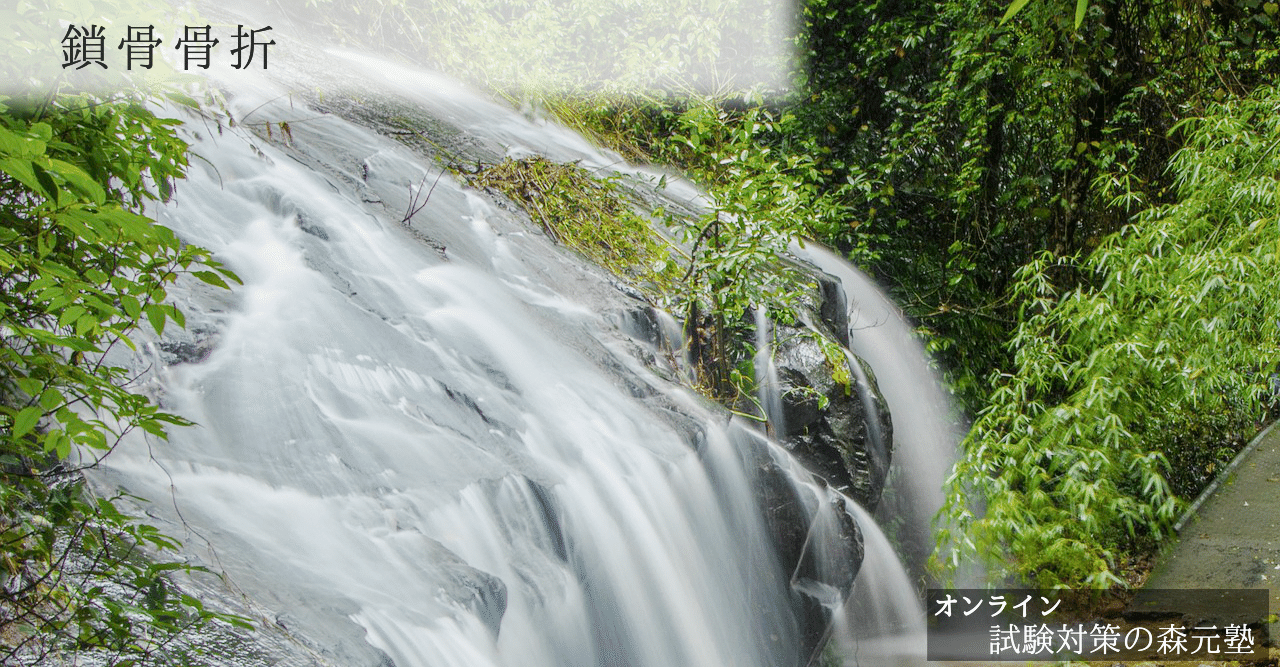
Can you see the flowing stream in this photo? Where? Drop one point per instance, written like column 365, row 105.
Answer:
column 426, row 438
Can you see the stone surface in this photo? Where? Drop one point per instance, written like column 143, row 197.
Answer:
column 845, row 443
column 808, row 526
column 802, row 543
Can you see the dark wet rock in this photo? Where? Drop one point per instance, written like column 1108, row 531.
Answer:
column 832, row 308
column 821, row 570
column 816, row 541
column 187, row 346
column 847, row 441
column 314, row 230
column 642, row 324
column 840, row 431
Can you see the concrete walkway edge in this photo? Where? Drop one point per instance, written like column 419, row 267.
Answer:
column 1222, row 477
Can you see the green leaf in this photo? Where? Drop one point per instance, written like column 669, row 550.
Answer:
column 30, row 386
column 131, row 306
column 156, row 315
column 42, row 131
column 17, row 146
column 70, row 315
column 26, row 420
column 46, row 182
column 1014, row 8
column 183, row 99
column 58, row 442
column 21, row 169
column 51, row 398
column 154, row 428
column 1081, row 6
column 210, row 278
column 86, row 326
column 78, row 179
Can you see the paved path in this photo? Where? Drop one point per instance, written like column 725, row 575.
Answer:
column 1232, row 538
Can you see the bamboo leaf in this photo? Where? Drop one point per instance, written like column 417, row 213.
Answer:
column 1014, row 8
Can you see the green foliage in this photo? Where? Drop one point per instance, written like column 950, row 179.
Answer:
column 978, row 159
column 763, row 199
column 964, row 147
column 760, row 204
column 1014, row 7
column 971, row 163
column 837, row 361
column 80, row 269
column 1198, row 444
column 1177, row 318
column 640, row 127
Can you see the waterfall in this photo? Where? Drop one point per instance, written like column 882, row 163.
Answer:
column 885, row 618
column 924, row 432
column 422, row 439
column 769, row 389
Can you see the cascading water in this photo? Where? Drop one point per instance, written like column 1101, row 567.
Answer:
column 924, row 433
column 769, row 391
column 419, row 440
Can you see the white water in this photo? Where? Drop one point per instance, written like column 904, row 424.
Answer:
column 442, row 450
column 884, row 622
column 769, row 389
column 878, row 447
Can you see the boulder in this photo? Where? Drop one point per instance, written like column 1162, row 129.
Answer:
column 847, row 441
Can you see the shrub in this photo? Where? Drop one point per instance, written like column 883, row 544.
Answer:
column 80, row 269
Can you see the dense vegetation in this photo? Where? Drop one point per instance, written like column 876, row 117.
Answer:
column 1174, row 325
column 80, row 270
column 1078, row 217
column 1077, row 205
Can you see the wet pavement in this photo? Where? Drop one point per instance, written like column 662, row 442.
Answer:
column 1230, row 538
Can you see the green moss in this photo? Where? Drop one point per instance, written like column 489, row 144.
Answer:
column 838, row 362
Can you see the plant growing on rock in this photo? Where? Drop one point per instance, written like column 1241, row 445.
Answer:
column 587, row 214
column 762, row 201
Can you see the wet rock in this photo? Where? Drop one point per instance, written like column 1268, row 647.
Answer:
column 847, row 440
column 467, row 588
column 187, row 346
column 817, row 542
column 832, row 308
column 483, row 594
